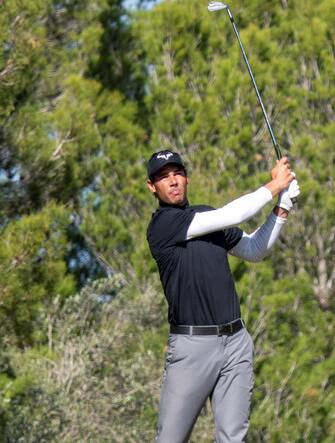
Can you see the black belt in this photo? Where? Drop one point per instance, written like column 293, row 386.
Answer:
column 225, row 329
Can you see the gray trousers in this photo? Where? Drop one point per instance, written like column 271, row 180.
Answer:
column 198, row 367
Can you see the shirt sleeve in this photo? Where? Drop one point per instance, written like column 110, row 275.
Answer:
column 232, row 214
column 168, row 228
column 254, row 247
column 232, row 237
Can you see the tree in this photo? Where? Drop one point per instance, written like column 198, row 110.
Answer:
column 87, row 93
column 203, row 105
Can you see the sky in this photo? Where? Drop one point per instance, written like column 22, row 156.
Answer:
column 131, row 4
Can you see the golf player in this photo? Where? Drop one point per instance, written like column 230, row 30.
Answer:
column 210, row 351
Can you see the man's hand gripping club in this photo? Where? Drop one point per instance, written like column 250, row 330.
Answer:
column 285, row 197
column 283, row 183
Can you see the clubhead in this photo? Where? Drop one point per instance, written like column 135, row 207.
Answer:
column 216, row 6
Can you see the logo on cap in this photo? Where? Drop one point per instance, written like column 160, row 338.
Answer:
column 165, row 156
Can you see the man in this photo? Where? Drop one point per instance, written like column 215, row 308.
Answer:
column 209, row 349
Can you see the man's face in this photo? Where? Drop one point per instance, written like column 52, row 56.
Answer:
column 170, row 185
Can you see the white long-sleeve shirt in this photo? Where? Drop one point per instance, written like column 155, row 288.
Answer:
column 252, row 247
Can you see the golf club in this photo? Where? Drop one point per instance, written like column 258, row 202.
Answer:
column 217, row 6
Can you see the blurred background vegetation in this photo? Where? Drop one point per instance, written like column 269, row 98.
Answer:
column 88, row 89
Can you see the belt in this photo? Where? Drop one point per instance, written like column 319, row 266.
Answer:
column 225, row 329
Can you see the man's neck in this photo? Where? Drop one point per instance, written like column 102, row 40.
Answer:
column 167, row 205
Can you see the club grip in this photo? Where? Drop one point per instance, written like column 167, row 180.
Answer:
column 294, row 200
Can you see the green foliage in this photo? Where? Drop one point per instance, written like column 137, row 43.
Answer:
column 88, row 386
column 33, row 272
column 293, row 360
column 87, row 92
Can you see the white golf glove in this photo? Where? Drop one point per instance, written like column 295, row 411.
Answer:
column 284, row 198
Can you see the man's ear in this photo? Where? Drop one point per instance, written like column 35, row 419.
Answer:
column 151, row 186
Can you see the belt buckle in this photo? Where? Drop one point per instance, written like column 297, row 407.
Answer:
column 231, row 327
column 220, row 330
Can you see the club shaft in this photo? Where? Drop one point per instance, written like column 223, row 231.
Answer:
column 273, row 138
